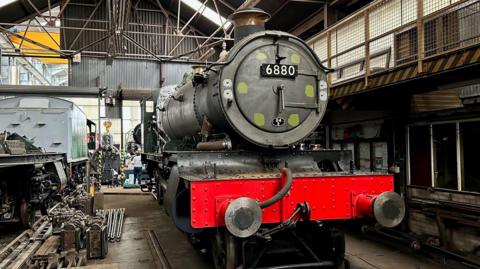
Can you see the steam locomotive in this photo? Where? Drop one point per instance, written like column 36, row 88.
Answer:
column 44, row 143
column 229, row 166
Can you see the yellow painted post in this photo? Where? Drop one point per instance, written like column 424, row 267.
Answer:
column 367, row 46
column 329, row 57
column 420, row 36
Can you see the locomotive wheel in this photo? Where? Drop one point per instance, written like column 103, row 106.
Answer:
column 160, row 193
column 27, row 214
column 44, row 208
column 224, row 250
column 158, row 186
column 332, row 245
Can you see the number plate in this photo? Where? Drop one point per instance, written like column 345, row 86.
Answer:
column 279, row 70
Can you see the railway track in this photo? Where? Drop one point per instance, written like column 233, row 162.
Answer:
column 17, row 253
column 160, row 257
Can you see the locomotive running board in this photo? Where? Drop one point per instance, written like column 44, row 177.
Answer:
column 211, row 165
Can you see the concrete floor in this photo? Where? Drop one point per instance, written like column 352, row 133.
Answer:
column 143, row 214
column 365, row 254
column 121, row 190
column 134, row 251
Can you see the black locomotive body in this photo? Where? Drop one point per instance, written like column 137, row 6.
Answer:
column 229, row 165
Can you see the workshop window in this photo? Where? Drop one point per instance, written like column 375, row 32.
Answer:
column 451, row 149
column 470, row 147
column 445, row 156
column 420, row 156
column 368, row 156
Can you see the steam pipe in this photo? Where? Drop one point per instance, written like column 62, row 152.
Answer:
column 279, row 195
column 243, row 206
column 215, row 145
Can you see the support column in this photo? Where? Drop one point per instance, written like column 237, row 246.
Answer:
column 420, row 36
column 366, row 66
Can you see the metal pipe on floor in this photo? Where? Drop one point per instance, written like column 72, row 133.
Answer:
column 114, row 225
column 109, row 222
column 119, row 232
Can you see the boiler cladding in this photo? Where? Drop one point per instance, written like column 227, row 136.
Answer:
column 271, row 89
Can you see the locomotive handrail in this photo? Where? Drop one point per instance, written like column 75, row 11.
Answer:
column 279, row 195
column 269, row 33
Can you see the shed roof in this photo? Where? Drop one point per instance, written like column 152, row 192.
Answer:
column 287, row 15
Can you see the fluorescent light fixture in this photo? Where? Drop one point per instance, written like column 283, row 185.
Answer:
column 6, row 2
column 207, row 12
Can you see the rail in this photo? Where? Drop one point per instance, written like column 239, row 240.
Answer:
column 388, row 34
column 17, row 252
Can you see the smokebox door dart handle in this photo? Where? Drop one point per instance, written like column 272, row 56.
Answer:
column 281, row 98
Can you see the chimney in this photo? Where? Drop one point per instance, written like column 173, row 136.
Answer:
column 248, row 21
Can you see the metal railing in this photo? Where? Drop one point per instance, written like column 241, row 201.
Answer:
column 387, row 34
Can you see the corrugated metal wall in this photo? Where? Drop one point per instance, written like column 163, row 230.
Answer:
column 145, row 26
column 94, row 72
column 173, row 72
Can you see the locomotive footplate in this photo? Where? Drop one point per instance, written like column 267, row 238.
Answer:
column 215, row 180
column 235, row 165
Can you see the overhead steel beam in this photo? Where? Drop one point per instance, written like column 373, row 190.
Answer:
column 208, row 39
column 227, row 5
column 176, row 46
column 85, row 24
column 246, row 4
column 164, row 11
column 45, row 30
column 36, row 10
column 90, row 45
column 194, row 50
column 249, row 4
column 49, row 90
column 203, row 6
column 280, row 8
column 33, row 41
column 308, row 22
column 219, row 16
column 40, row 15
column 310, row 1
column 142, row 23
column 128, row 32
column 141, row 47
column 49, row 8
column 25, row 33
column 179, row 20
column 29, row 67
column 178, row 14
column 329, row 16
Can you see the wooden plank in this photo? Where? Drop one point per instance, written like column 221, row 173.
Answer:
column 101, row 266
column 50, row 246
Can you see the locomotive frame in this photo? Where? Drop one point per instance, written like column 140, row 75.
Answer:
column 30, row 177
column 29, row 194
